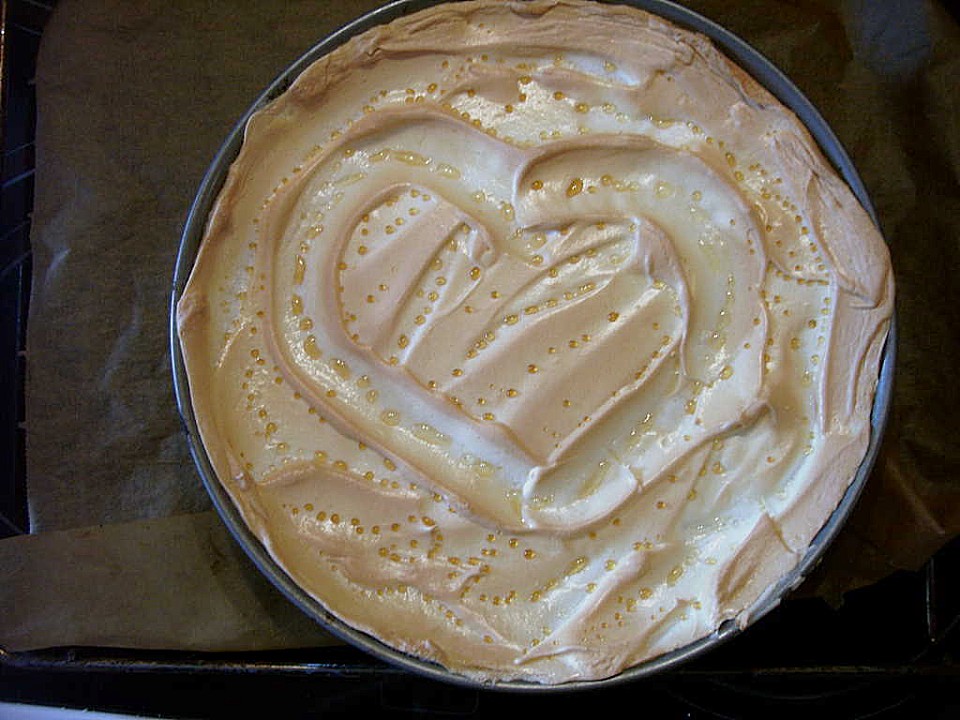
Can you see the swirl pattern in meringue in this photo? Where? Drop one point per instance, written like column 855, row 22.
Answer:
column 534, row 339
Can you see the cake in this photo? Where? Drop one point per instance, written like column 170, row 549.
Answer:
column 535, row 340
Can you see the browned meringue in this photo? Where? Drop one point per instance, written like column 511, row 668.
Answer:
column 534, row 339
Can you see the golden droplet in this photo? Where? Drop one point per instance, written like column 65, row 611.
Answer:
column 341, row 368
column 575, row 187
column 311, row 349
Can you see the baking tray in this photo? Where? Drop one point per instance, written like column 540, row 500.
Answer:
column 20, row 26
column 891, row 648
column 771, row 78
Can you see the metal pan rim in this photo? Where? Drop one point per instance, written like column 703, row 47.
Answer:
column 761, row 70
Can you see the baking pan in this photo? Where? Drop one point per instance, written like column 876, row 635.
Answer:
column 765, row 73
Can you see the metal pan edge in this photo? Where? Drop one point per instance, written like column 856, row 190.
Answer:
column 761, row 70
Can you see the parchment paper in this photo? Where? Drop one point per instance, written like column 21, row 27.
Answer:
column 134, row 100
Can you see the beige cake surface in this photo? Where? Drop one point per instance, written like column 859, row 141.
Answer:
column 534, row 339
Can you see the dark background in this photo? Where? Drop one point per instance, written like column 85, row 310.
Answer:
column 887, row 650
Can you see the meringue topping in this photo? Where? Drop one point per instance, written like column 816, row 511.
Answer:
column 534, row 339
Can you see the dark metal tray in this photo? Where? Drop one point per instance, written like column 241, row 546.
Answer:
column 888, row 651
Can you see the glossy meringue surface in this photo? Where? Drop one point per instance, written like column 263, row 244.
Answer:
column 534, row 339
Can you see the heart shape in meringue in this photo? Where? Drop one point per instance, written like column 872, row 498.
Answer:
column 514, row 318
